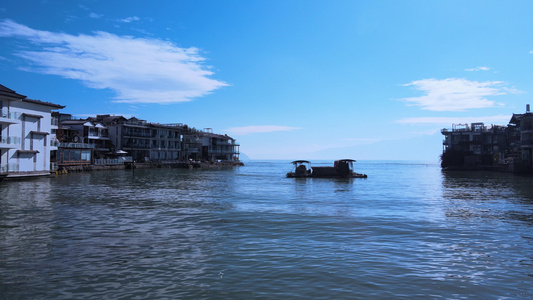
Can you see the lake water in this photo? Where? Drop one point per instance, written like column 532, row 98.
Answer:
column 408, row 231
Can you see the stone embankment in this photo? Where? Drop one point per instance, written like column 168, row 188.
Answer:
column 181, row 165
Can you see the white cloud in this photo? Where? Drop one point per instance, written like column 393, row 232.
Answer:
column 95, row 15
column 478, row 69
column 455, row 94
column 129, row 19
column 139, row 70
column 448, row 121
column 259, row 129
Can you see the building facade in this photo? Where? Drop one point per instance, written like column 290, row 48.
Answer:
column 476, row 146
column 155, row 142
column 27, row 134
column 144, row 141
column 217, row 147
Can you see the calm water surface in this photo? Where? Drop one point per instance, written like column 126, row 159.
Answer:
column 409, row 230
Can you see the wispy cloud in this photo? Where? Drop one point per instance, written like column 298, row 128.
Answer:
column 139, row 70
column 447, row 121
column 455, row 94
column 259, row 129
column 95, row 15
column 129, row 19
column 478, row 69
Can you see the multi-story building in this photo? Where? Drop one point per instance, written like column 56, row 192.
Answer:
column 156, row 142
column 472, row 145
column 81, row 141
column 218, row 147
column 144, row 141
column 496, row 147
column 27, row 134
column 521, row 137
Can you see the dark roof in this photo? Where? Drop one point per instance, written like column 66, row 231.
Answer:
column 32, row 115
column 43, row 103
column 75, row 122
column 516, row 118
column 215, row 135
column 107, row 119
column 4, row 91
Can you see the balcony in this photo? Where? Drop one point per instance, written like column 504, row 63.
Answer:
column 9, row 118
column 54, row 143
column 137, row 133
column 225, row 143
column 9, row 168
column 96, row 136
column 136, row 145
column 9, row 142
column 76, row 145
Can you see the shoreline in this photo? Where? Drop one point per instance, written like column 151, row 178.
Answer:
column 126, row 166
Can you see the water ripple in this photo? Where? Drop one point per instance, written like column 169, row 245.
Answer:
column 251, row 233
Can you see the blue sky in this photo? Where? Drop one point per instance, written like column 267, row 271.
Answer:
column 288, row 79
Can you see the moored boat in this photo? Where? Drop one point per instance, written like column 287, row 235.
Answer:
column 302, row 168
column 342, row 168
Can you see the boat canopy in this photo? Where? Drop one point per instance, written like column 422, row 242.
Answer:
column 352, row 160
column 300, row 162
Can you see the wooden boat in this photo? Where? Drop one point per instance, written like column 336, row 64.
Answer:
column 342, row 168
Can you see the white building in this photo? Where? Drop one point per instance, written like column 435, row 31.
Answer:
column 27, row 134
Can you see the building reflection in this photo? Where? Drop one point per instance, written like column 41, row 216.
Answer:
column 485, row 195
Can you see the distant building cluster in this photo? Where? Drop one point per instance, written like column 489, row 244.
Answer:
column 502, row 148
column 35, row 139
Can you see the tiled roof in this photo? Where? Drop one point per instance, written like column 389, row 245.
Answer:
column 4, row 91
column 7, row 92
column 43, row 103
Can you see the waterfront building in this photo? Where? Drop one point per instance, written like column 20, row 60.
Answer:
column 155, row 142
column 144, row 141
column 27, row 135
column 504, row 148
column 217, row 147
column 521, row 133
column 474, row 144
column 81, row 141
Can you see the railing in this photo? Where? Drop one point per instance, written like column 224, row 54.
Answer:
column 112, row 161
column 132, row 145
column 76, row 145
column 137, row 133
column 225, row 143
column 97, row 134
column 166, row 148
column 192, row 140
column 12, row 140
column 9, row 168
column 10, row 115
